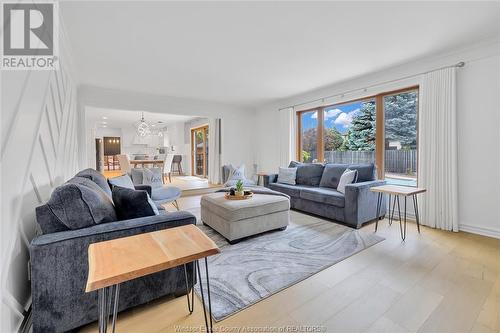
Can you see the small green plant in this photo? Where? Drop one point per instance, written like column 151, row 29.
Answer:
column 306, row 156
column 239, row 186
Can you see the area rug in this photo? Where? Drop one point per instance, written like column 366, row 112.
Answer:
column 254, row 269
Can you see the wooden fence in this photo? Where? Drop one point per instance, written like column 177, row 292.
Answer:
column 396, row 161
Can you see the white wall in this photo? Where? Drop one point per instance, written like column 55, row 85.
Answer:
column 176, row 133
column 238, row 124
column 39, row 152
column 478, row 126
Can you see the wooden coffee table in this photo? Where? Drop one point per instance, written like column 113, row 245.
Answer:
column 119, row 260
column 397, row 191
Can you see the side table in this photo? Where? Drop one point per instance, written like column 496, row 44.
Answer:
column 123, row 259
column 397, row 191
column 260, row 177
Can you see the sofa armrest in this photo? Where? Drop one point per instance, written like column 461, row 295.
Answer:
column 361, row 203
column 272, row 178
column 146, row 188
column 118, row 229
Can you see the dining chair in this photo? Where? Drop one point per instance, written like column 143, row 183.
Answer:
column 159, row 157
column 167, row 167
column 176, row 161
column 124, row 163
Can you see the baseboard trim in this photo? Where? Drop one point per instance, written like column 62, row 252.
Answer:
column 480, row 230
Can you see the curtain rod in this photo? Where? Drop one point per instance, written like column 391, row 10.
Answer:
column 322, row 99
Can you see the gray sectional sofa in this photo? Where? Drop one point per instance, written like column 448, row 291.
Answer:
column 59, row 256
column 316, row 192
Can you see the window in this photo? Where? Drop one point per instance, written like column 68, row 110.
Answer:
column 400, row 111
column 309, row 136
column 348, row 133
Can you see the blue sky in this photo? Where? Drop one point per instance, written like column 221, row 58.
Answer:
column 339, row 116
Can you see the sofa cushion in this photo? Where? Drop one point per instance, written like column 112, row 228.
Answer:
column 97, row 178
column 48, row 221
column 291, row 190
column 132, row 204
column 308, row 173
column 331, row 175
column 79, row 203
column 122, row 181
column 366, row 172
column 287, row 176
column 323, row 195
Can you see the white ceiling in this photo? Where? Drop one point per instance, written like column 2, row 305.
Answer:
column 250, row 53
column 112, row 118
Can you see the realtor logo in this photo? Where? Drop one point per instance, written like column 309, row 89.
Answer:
column 29, row 38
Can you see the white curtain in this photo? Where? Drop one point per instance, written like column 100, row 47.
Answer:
column 287, row 136
column 438, row 150
column 214, row 150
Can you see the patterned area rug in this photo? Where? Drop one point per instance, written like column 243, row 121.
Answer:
column 249, row 271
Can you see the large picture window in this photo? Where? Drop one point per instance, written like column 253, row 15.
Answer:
column 309, row 136
column 348, row 133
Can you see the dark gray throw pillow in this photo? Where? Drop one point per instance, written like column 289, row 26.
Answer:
column 366, row 172
column 308, row 173
column 132, row 204
column 97, row 178
column 331, row 175
column 80, row 203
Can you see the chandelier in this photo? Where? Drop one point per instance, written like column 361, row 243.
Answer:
column 145, row 128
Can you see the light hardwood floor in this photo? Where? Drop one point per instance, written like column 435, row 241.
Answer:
column 434, row 282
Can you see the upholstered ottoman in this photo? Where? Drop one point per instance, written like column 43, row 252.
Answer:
column 236, row 219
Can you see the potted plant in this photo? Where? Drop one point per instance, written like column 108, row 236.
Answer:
column 239, row 189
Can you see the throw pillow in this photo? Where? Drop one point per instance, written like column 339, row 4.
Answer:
column 348, row 177
column 287, row 175
column 152, row 176
column 236, row 174
column 78, row 204
column 122, row 181
column 132, row 204
column 97, row 178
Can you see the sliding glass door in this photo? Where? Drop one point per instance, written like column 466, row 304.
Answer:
column 199, row 151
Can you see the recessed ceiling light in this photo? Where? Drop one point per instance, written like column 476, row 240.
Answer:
column 104, row 126
column 104, row 122
column 104, row 117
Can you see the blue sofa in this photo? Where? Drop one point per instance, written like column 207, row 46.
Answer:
column 59, row 257
column 316, row 192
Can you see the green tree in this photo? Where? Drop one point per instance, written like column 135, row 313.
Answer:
column 361, row 135
column 401, row 119
column 333, row 139
column 309, row 143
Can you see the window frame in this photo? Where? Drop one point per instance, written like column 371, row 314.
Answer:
column 379, row 126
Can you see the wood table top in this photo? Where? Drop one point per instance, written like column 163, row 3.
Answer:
column 398, row 189
column 146, row 161
column 123, row 259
